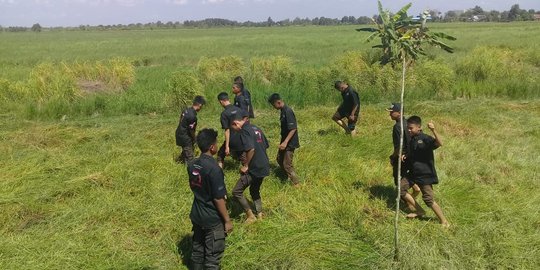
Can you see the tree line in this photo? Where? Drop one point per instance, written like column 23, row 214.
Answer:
column 474, row 14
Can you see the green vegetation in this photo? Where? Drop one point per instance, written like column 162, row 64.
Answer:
column 104, row 192
column 88, row 179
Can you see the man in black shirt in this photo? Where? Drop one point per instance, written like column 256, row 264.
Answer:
column 209, row 215
column 231, row 144
column 185, row 132
column 289, row 137
column 422, row 163
column 254, row 144
column 395, row 114
column 349, row 108
column 240, row 100
column 247, row 96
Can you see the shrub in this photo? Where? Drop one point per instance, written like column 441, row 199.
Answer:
column 271, row 70
column 47, row 81
column 434, row 78
column 183, row 87
column 218, row 70
column 352, row 68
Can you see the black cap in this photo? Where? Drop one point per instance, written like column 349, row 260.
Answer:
column 395, row 107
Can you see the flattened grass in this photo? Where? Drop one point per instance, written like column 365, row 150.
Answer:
column 104, row 192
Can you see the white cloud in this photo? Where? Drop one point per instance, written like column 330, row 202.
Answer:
column 178, row 2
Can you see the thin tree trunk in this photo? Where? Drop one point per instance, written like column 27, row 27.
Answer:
column 400, row 153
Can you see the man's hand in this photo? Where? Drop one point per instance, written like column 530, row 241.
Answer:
column 228, row 226
column 227, row 150
column 282, row 146
column 431, row 126
column 352, row 117
column 244, row 169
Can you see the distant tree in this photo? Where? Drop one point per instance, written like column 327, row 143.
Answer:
column 36, row 27
column 363, row 20
column 270, row 22
column 451, row 16
column 513, row 14
column 477, row 10
column 435, row 15
column 494, row 16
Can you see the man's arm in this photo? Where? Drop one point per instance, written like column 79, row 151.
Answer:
column 356, row 102
column 222, row 210
column 284, row 144
column 227, row 140
column 438, row 141
column 249, row 156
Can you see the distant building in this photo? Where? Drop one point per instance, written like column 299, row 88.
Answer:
column 478, row 18
column 536, row 17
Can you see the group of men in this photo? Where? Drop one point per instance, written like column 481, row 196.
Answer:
column 244, row 142
column 247, row 143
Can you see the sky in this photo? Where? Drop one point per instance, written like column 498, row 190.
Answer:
column 49, row 13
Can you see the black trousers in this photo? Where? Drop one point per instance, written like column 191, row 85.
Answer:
column 208, row 247
column 254, row 184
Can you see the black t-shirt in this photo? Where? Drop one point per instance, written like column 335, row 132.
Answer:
column 396, row 133
column 247, row 97
column 227, row 116
column 207, row 183
column 252, row 137
column 422, row 160
column 288, row 122
column 243, row 102
column 187, row 124
column 350, row 100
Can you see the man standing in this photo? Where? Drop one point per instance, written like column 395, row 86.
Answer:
column 209, row 215
column 185, row 132
column 254, row 144
column 246, row 94
column 289, row 137
column 395, row 114
column 349, row 108
column 231, row 144
column 240, row 100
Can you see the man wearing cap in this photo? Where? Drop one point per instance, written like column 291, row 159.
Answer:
column 256, row 167
column 185, row 132
column 349, row 108
column 395, row 114
column 231, row 144
column 289, row 137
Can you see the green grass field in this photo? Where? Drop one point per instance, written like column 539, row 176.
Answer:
column 104, row 192
column 90, row 183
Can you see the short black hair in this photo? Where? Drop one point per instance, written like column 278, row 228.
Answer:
column 239, row 115
column 415, row 120
column 223, row 96
column 337, row 84
column 206, row 138
column 238, row 79
column 239, row 84
column 199, row 100
column 273, row 98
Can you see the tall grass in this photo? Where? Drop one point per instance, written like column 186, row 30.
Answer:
column 104, row 192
